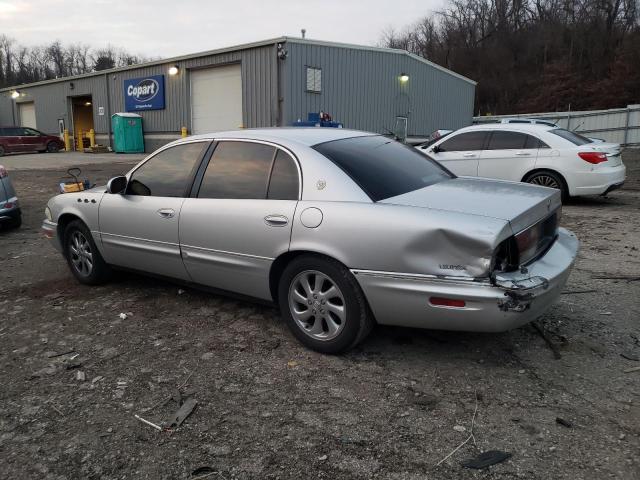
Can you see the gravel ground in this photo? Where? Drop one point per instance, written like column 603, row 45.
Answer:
column 268, row 408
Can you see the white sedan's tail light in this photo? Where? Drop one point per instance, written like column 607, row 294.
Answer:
column 593, row 157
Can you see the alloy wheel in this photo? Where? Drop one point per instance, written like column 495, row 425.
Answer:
column 317, row 305
column 545, row 181
column 80, row 254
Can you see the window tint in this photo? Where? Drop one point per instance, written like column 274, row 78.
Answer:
column 167, row 174
column 501, row 140
column 31, row 132
column 284, row 178
column 12, row 132
column 238, row 170
column 383, row 168
column 570, row 136
column 464, row 141
column 533, row 142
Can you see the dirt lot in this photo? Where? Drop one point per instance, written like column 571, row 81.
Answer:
column 268, row 408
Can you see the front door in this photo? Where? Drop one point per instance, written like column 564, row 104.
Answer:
column 460, row 153
column 33, row 140
column 240, row 219
column 139, row 229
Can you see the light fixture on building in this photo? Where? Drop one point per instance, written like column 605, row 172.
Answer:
column 87, row 104
column 15, row 94
column 174, row 70
column 404, row 78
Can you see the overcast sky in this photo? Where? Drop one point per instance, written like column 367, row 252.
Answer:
column 164, row 28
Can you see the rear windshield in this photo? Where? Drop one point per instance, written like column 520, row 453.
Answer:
column 383, row 168
column 570, row 136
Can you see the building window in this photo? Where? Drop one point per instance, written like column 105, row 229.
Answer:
column 314, row 80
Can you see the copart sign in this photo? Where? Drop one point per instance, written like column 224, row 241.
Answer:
column 146, row 93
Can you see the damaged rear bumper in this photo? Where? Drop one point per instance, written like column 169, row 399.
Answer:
column 511, row 300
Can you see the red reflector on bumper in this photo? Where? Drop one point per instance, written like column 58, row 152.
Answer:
column 446, row 302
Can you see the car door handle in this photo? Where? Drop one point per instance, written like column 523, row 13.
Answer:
column 468, row 155
column 166, row 212
column 276, row 220
column 523, row 154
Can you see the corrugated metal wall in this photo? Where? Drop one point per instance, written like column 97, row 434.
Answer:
column 361, row 88
column 259, row 85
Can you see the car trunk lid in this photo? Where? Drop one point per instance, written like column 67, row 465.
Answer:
column 520, row 204
column 613, row 151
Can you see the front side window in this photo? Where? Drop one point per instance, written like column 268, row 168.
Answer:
column 383, row 168
column 167, row 174
column 464, row 142
column 238, row 170
column 31, row 132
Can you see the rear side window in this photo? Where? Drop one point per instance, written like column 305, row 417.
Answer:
column 533, row 142
column 238, row 170
column 167, row 173
column 463, row 142
column 284, row 183
column 383, row 168
column 12, row 132
column 501, row 140
column 570, row 136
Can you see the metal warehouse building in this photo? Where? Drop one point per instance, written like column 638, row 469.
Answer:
column 268, row 83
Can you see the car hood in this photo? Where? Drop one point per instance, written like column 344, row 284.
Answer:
column 520, row 204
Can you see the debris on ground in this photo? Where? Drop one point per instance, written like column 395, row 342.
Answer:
column 123, row 316
column 563, row 422
column 183, row 412
column 486, row 459
column 81, row 376
column 632, row 369
column 630, row 356
column 471, row 436
column 157, row 427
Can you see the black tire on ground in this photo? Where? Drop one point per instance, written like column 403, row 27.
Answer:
column 52, row 147
column 1, row 151
column 16, row 222
column 77, row 243
column 548, row 178
column 358, row 320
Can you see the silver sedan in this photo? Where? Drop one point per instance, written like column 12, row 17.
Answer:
column 342, row 229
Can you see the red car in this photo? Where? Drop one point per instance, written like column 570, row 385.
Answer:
column 25, row 139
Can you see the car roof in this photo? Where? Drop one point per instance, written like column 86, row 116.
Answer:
column 307, row 136
column 524, row 127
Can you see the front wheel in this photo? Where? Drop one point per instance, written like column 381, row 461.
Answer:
column 549, row 179
column 52, row 147
column 82, row 255
column 323, row 305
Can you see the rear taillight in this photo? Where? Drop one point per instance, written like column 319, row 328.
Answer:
column 593, row 157
column 3, row 172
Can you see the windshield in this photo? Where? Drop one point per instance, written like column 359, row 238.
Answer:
column 572, row 137
column 383, row 168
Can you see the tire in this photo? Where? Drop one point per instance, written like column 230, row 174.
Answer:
column 2, row 152
column 88, row 266
column 547, row 178
column 331, row 314
column 16, row 222
column 52, row 147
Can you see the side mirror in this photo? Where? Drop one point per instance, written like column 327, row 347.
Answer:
column 117, row 184
column 436, row 149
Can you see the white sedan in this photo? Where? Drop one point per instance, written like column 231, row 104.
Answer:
column 538, row 154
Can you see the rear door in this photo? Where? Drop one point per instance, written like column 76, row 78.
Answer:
column 508, row 155
column 33, row 140
column 460, row 153
column 13, row 139
column 239, row 219
column 139, row 229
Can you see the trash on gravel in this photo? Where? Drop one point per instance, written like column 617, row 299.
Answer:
column 630, row 356
column 97, row 379
column 201, row 470
column 54, row 355
column 123, row 316
column 486, row 459
column 81, row 376
column 292, row 363
column 460, row 428
column 563, row 422
column 157, row 427
column 323, row 458
column 606, row 313
column 183, row 412
column 632, row 369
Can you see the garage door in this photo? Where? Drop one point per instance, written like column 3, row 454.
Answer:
column 27, row 114
column 216, row 99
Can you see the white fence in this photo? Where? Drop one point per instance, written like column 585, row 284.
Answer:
column 618, row 125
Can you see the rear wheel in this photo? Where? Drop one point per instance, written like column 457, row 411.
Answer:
column 547, row 178
column 323, row 305
column 52, row 147
column 82, row 255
